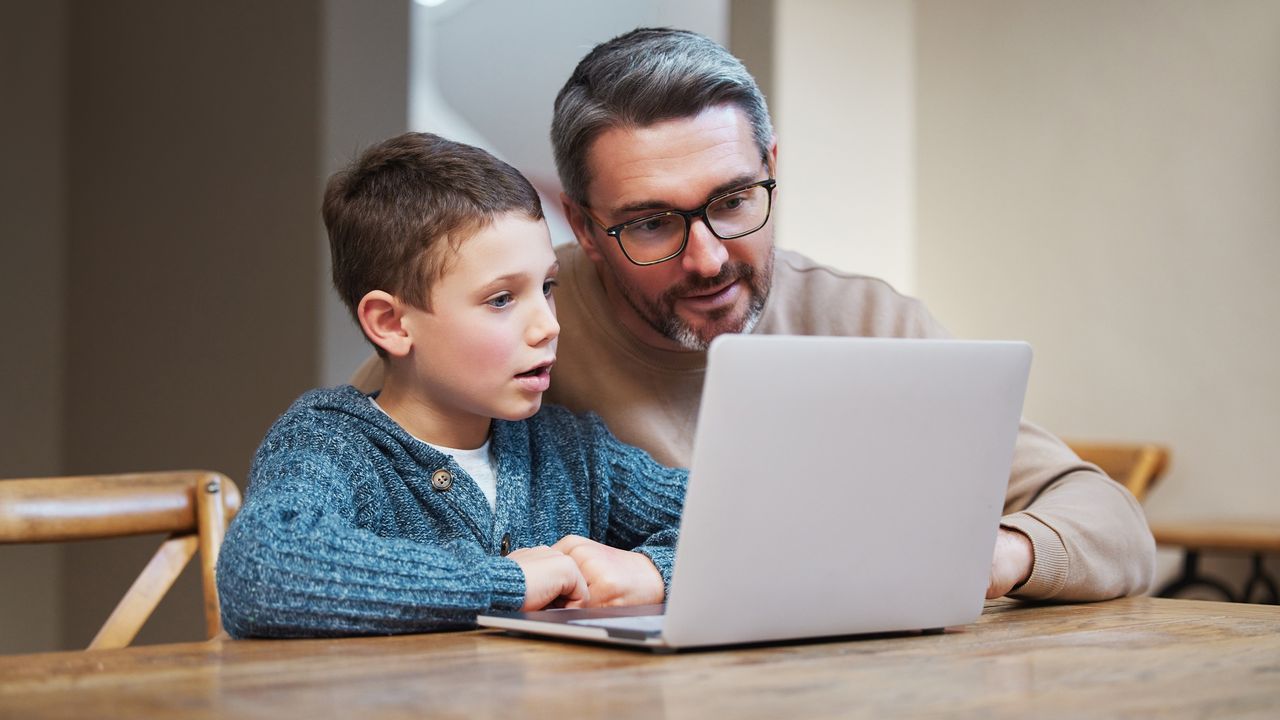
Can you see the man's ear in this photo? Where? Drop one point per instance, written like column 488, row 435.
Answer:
column 382, row 320
column 773, row 157
column 581, row 226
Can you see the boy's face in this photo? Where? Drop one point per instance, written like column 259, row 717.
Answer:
column 486, row 347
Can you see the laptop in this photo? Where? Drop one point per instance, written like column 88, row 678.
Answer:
column 839, row 486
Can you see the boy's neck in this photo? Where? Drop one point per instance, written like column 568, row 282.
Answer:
column 421, row 418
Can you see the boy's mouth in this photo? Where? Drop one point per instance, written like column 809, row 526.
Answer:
column 541, row 369
column 536, row 379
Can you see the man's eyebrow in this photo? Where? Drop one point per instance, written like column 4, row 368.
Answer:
column 658, row 205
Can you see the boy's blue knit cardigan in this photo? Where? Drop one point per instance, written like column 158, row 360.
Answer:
column 343, row 533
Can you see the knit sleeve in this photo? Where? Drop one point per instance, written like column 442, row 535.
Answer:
column 646, row 497
column 303, row 558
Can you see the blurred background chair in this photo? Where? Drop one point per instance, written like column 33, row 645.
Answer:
column 1137, row 466
column 193, row 507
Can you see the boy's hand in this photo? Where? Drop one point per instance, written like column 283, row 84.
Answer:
column 614, row 577
column 1011, row 564
column 550, row 576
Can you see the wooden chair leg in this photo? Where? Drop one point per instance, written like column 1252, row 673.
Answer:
column 211, row 518
column 145, row 593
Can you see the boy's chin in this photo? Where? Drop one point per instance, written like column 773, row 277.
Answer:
column 522, row 413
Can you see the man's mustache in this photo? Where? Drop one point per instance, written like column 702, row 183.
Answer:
column 727, row 274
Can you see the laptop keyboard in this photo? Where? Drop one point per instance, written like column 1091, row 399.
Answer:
column 648, row 624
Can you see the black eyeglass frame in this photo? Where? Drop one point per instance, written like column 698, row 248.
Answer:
column 615, row 231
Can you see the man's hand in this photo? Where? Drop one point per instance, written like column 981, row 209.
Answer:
column 550, row 577
column 614, row 577
column 1011, row 564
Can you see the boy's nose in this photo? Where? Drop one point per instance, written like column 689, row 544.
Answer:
column 544, row 326
column 704, row 254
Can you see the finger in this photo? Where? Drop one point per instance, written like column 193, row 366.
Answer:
column 568, row 543
column 536, row 551
column 577, row 591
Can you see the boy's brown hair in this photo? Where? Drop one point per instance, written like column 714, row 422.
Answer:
column 394, row 213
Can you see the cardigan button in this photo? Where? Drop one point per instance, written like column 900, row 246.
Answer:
column 505, row 546
column 442, row 480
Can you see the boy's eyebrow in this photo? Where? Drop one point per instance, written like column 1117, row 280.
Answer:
column 510, row 277
column 658, row 205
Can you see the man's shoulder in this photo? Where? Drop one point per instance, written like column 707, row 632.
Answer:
column 811, row 298
column 791, row 266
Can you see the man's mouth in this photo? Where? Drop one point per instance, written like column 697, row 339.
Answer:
column 710, row 292
column 713, row 298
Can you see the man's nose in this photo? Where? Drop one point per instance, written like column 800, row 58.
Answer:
column 704, row 254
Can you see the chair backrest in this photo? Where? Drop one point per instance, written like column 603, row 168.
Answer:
column 1137, row 466
column 192, row 506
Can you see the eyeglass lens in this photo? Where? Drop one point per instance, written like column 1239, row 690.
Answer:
column 661, row 236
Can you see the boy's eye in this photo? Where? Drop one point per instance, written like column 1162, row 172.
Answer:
column 547, row 286
column 499, row 301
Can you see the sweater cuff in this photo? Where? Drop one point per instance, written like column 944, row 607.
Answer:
column 663, row 558
column 1049, row 566
column 507, row 582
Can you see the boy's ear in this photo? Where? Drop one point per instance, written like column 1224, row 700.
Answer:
column 582, row 227
column 381, row 318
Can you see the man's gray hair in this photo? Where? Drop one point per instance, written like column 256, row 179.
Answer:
column 643, row 77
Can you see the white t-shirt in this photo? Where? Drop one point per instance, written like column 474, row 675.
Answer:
column 477, row 463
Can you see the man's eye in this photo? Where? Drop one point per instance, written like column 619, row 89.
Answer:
column 733, row 203
column 654, row 226
column 500, row 301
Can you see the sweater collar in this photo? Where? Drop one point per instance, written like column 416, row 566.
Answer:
column 509, row 445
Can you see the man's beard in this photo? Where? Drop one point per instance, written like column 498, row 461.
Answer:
column 660, row 313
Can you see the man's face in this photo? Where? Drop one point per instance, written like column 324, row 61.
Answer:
column 713, row 287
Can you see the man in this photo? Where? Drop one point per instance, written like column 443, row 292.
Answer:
column 667, row 156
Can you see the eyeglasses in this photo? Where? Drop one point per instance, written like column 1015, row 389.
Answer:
column 659, row 237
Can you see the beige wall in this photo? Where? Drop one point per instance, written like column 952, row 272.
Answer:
column 1101, row 178
column 843, row 105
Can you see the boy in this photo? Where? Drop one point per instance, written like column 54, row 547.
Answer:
column 450, row 492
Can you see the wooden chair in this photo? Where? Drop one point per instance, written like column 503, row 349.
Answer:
column 194, row 507
column 1137, row 466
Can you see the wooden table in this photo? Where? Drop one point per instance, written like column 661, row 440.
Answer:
column 1141, row 657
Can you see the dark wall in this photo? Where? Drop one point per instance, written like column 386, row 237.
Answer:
column 192, row 165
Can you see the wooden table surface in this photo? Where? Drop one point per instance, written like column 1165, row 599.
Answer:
column 1140, row 657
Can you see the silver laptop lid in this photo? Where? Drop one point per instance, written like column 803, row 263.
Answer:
column 844, row 485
